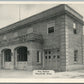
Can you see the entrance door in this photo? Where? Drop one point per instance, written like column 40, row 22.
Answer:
column 52, row 60
column 21, row 57
column 48, row 59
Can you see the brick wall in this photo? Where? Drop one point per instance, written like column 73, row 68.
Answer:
column 53, row 41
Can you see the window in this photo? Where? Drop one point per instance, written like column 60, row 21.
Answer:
column 50, row 29
column 45, row 57
column 74, row 25
column 74, row 28
column 49, row 57
column 49, row 52
column 75, row 31
column 39, row 56
column 75, row 55
column 50, row 26
column 58, row 56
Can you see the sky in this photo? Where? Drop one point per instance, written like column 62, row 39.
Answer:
column 11, row 13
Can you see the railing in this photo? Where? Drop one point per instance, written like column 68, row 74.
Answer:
column 23, row 38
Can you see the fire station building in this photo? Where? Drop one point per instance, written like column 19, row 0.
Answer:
column 50, row 40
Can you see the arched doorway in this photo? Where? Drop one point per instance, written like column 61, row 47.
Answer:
column 6, row 58
column 21, row 57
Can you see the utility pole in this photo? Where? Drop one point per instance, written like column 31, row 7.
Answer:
column 19, row 11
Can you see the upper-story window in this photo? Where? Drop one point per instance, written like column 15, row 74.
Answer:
column 4, row 37
column 15, row 34
column 30, row 30
column 50, row 27
column 74, row 28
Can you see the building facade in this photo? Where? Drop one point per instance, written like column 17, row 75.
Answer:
column 51, row 40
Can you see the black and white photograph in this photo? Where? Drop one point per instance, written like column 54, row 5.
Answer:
column 42, row 40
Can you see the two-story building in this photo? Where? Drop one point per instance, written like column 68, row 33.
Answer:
column 51, row 40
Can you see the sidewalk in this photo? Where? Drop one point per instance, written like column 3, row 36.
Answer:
column 70, row 74
column 15, row 74
column 27, row 74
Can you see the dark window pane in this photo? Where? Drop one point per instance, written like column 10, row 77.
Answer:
column 22, row 54
column 51, row 30
column 58, row 56
column 49, row 57
column 45, row 57
column 37, row 56
column 75, row 31
column 49, row 52
column 7, row 55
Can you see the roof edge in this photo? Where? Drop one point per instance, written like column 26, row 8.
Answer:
column 56, row 9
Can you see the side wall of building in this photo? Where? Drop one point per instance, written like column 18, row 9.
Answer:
column 73, row 42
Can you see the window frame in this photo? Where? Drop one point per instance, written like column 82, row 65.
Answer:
column 51, row 24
